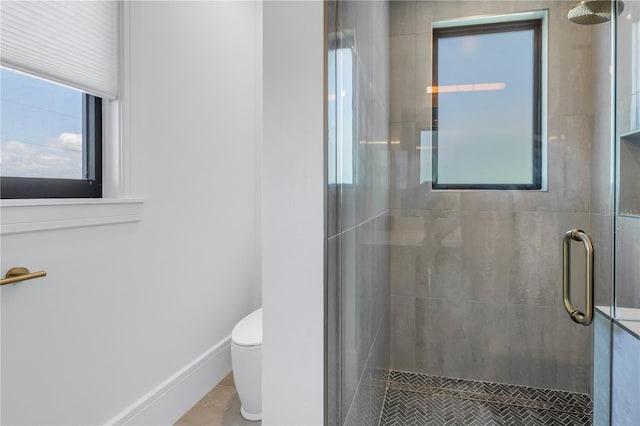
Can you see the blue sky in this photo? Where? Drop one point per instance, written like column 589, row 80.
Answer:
column 486, row 136
column 340, row 108
column 40, row 128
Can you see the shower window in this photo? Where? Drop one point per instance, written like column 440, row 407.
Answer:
column 487, row 106
column 341, row 112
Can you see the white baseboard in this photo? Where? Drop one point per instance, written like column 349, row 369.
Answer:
column 168, row 401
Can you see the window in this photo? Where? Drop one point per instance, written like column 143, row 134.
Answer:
column 50, row 139
column 487, row 106
column 340, row 112
column 54, row 82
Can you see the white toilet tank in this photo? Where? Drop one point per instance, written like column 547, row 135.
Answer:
column 246, row 360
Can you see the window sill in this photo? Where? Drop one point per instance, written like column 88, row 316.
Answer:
column 19, row 216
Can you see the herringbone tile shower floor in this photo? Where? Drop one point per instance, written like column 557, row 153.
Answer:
column 418, row 399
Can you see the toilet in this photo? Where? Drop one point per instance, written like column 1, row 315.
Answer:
column 246, row 361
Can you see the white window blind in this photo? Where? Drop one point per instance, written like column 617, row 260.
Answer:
column 71, row 42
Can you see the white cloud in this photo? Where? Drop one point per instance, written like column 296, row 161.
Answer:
column 68, row 141
column 61, row 157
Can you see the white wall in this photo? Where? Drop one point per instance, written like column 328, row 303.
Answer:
column 293, row 212
column 126, row 306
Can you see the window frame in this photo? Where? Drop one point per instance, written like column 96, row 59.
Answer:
column 537, row 25
column 89, row 187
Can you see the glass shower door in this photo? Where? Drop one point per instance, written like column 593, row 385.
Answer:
column 446, row 302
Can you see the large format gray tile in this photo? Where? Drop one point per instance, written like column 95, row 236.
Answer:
column 403, row 79
column 532, row 346
column 378, row 369
column 601, row 229
column 487, row 249
column 381, row 359
column 349, row 320
column 445, row 10
column 601, row 153
column 403, row 333
column 538, row 256
column 381, row 273
column 332, row 211
column 423, row 78
column 552, row 227
column 568, row 174
column 408, row 228
column 626, row 378
column 380, row 176
column 463, row 339
column 402, row 17
column 421, row 196
column 403, row 261
column 527, row 245
column 438, row 272
column 404, row 169
column 575, row 353
column 629, row 176
column 627, row 264
column 363, row 169
column 503, row 7
column 569, row 164
column 487, row 200
column 601, row 369
column 365, row 263
column 333, row 331
column 575, row 84
column 380, row 48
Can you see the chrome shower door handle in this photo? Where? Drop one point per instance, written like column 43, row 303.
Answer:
column 583, row 318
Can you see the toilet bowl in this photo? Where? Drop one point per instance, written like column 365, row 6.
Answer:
column 246, row 361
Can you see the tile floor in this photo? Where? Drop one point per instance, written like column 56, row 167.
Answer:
column 418, row 399
column 220, row 407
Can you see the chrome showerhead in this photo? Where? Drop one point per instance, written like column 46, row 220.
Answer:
column 589, row 12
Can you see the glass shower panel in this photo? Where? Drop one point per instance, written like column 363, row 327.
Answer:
column 357, row 211
column 625, row 349
column 461, row 289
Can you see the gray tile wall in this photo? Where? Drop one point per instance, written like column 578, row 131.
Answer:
column 358, row 222
column 628, row 93
column 476, row 276
column 626, row 379
column 601, row 369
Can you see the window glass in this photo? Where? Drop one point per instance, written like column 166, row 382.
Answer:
column 41, row 128
column 340, row 110
column 425, row 156
column 486, row 107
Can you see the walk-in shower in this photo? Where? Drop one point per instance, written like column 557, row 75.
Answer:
column 481, row 167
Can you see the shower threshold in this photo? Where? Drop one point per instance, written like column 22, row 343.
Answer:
column 419, row 399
